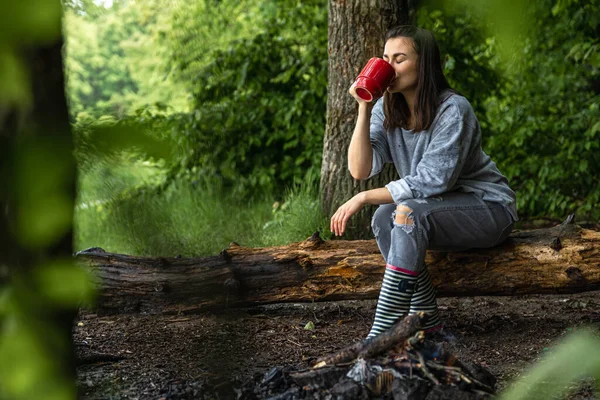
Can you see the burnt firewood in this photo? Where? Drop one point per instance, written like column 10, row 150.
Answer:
column 410, row 389
column 322, row 378
column 398, row 364
column 397, row 334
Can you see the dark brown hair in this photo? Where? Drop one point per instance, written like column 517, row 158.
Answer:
column 430, row 82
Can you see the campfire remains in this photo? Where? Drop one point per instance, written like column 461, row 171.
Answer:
column 398, row 364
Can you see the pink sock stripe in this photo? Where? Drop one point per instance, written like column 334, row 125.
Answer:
column 406, row 271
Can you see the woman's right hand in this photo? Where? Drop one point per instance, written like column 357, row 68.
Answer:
column 361, row 102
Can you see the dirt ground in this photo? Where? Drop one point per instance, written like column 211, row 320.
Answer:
column 208, row 356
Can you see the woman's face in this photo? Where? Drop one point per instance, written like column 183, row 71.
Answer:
column 400, row 54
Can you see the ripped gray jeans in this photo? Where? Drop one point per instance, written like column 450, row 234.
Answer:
column 451, row 222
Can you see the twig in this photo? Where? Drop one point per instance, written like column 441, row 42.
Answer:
column 458, row 372
column 426, row 370
column 377, row 345
column 444, row 367
column 177, row 320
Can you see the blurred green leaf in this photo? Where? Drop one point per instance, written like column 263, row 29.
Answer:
column 30, row 21
column 44, row 192
column 577, row 356
column 65, row 284
column 14, row 79
column 28, row 370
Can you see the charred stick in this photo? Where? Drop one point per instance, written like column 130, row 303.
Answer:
column 426, row 370
column 444, row 367
column 377, row 345
column 388, row 339
column 458, row 372
column 343, row 356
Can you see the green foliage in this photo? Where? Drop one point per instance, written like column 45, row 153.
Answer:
column 257, row 89
column 297, row 216
column 42, row 188
column 194, row 218
column 28, row 370
column 574, row 358
column 114, row 63
column 200, row 28
column 37, row 205
column 259, row 106
column 469, row 53
column 23, row 23
column 30, row 347
column 546, row 118
column 537, row 99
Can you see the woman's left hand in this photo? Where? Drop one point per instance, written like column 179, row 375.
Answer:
column 343, row 214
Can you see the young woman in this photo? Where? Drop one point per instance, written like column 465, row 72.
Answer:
column 450, row 195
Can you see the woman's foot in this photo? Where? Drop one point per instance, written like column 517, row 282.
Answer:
column 394, row 298
column 423, row 300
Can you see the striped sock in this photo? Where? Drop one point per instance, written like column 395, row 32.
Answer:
column 394, row 298
column 423, row 300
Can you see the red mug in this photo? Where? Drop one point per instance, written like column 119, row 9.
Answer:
column 374, row 79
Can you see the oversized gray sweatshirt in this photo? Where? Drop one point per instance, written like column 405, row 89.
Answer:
column 444, row 158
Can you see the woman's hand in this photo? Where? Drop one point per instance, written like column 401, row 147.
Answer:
column 361, row 103
column 343, row 214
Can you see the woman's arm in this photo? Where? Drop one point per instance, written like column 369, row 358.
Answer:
column 360, row 151
column 352, row 206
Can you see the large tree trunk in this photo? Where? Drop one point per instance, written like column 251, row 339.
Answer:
column 356, row 33
column 37, row 192
column 563, row 259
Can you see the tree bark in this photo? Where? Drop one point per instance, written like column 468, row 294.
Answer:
column 564, row 259
column 356, row 33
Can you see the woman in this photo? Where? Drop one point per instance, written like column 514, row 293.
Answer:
column 451, row 195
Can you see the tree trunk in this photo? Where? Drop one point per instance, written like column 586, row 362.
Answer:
column 37, row 178
column 356, row 33
column 563, row 259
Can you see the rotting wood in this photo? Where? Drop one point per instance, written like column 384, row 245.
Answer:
column 316, row 270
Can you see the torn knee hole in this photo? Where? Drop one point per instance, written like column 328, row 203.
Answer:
column 403, row 215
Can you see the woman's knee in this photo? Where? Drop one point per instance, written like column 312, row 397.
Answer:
column 382, row 218
column 403, row 215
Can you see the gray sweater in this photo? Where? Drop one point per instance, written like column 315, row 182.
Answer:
column 444, row 158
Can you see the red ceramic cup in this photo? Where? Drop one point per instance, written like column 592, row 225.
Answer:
column 374, row 79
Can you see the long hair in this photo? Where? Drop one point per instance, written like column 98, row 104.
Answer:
column 430, row 82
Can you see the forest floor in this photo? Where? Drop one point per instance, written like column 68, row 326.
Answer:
column 208, row 356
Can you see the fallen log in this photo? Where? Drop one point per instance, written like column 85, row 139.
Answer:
column 562, row 259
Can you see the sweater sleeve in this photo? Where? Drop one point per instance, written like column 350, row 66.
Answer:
column 379, row 141
column 440, row 166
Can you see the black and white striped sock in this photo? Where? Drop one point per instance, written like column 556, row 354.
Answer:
column 423, row 300
column 396, row 292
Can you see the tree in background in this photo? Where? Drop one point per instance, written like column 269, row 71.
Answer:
column 356, row 33
column 546, row 117
column 114, row 62
column 258, row 99
column 531, row 71
column 250, row 82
